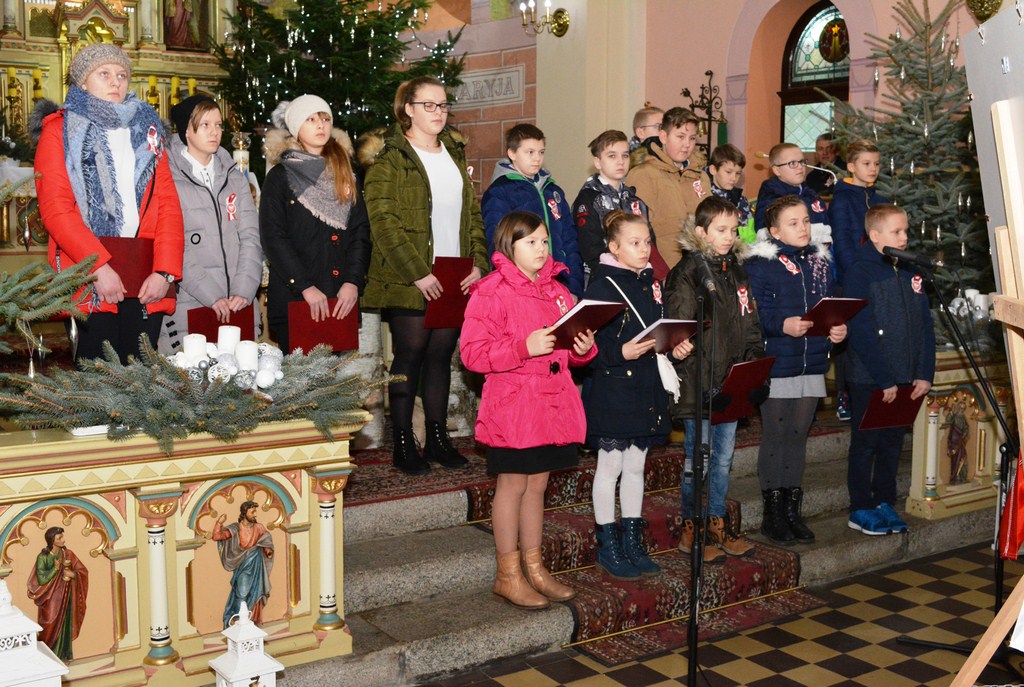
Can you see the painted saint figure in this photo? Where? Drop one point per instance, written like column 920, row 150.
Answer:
column 247, row 552
column 59, row 587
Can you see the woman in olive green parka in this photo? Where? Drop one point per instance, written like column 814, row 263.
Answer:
column 421, row 205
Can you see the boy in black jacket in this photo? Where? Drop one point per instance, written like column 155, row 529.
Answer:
column 892, row 343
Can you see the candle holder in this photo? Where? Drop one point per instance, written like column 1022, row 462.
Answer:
column 241, row 142
column 556, row 23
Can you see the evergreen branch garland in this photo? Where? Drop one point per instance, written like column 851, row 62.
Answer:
column 36, row 292
column 151, row 396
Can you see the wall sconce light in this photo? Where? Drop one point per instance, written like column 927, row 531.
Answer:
column 556, row 22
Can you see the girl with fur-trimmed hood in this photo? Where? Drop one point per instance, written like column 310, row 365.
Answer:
column 313, row 222
column 711, row 246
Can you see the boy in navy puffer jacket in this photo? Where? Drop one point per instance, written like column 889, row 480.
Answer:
column 790, row 178
column 522, row 183
column 892, row 343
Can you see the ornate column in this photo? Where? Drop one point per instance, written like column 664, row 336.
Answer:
column 11, row 17
column 155, row 507
column 931, row 470
column 327, row 484
column 145, row 13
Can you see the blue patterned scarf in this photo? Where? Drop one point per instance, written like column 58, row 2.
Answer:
column 90, row 163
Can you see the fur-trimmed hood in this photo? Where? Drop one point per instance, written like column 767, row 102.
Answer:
column 279, row 140
column 691, row 242
column 371, row 144
column 769, row 248
column 43, row 109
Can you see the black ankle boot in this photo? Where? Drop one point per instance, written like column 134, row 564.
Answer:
column 439, row 448
column 793, row 499
column 405, row 457
column 773, row 524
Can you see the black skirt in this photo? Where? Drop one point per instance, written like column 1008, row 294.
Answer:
column 531, row 461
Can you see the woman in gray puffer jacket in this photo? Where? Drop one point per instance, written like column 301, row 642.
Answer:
column 223, row 263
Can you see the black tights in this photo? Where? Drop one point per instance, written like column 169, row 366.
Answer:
column 426, row 352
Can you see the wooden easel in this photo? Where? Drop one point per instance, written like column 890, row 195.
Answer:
column 1009, row 309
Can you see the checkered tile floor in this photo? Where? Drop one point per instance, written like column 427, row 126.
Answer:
column 851, row 641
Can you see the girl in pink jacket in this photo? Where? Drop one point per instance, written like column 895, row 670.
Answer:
column 531, row 416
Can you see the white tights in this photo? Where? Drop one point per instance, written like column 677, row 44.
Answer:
column 611, row 464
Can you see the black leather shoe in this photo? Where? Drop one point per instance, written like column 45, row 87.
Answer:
column 439, row 448
column 405, row 456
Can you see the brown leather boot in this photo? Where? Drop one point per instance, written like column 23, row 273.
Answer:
column 722, row 535
column 712, row 554
column 543, row 581
column 510, row 584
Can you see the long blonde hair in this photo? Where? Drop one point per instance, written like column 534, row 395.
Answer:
column 340, row 165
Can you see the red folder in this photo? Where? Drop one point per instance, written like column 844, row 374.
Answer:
column 587, row 314
column 449, row 310
column 132, row 259
column 304, row 333
column 204, row 321
column 831, row 312
column 668, row 333
column 900, row 413
column 742, row 379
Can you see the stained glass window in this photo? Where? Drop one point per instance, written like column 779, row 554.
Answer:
column 822, row 52
column 803, row 123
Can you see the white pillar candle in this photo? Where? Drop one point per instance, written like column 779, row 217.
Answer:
column 194, row 346
column 982, row 301
column 228, row 337
column 248, row 355
column 971, row 294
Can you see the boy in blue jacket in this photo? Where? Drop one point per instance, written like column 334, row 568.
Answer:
column 790, row 170
column 522, row 183
column 851, row 200
column 892, row 343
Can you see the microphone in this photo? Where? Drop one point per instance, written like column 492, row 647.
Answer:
column 707, row 280
column 914, row 258
column 835, row 179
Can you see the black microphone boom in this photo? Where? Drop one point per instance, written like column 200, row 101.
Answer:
column 707, row 280
column 907, row 256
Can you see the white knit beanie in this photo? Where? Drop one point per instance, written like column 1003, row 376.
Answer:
column 291, row 114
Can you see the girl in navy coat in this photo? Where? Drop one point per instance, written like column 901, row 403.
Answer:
column 789, row 275
column 627, row 405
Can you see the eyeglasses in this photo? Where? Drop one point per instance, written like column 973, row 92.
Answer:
column 792, row 164
column 650, row 126
column 430, row 106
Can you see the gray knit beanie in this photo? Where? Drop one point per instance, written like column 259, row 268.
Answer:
column 92, row 56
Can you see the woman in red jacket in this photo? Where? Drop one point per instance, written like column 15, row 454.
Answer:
column 103, row 175
column 531, row 416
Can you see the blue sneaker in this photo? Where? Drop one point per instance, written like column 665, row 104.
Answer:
column 893, row 518
column 843, row 407
column 869, row 521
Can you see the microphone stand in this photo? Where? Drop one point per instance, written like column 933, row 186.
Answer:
column 1009, row 447
column 699, row 462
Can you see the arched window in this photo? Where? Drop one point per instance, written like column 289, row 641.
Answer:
column 817, row 57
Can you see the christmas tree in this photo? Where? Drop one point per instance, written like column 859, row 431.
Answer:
column 345, row 51
column 924, row 132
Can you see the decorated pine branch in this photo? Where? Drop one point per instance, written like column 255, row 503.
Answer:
column 152, row 396
column 924, row 132
column 35, row 293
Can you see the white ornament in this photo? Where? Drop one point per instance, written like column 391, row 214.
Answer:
column 265, row 379
column 211, row 350
column 219, row 373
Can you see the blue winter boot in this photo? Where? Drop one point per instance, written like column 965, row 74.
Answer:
column 633, row 546
column 610, row 557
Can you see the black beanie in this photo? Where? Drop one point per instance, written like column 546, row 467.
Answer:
column 182, row 112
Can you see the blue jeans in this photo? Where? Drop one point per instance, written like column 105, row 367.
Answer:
column 723, row 440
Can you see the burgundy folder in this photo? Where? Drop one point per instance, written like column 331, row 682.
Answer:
column 741, row 380
column 668, row 333
column 449, row 310
column 587, row 314
column 204, row 321
column 900, row 413
column 831, row 312
column 132, row 259
column 304, row 333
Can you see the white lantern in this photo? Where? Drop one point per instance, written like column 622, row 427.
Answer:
column 24, row 661
column 245, row 664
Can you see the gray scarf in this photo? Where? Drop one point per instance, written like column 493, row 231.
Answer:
column 311, row 181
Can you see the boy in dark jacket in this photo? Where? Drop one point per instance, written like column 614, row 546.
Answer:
column 603, row 192
column 711, row 239
column 522, row 183
column 790, row 172
column 892, row 343
column 725, row 169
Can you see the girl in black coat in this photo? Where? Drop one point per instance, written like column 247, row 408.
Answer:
column 313, row 222
column 626, row 403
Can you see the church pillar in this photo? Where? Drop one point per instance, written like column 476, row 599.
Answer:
column 327, row 485
column 155, row 508
column 145, row 12
column 10, row 16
